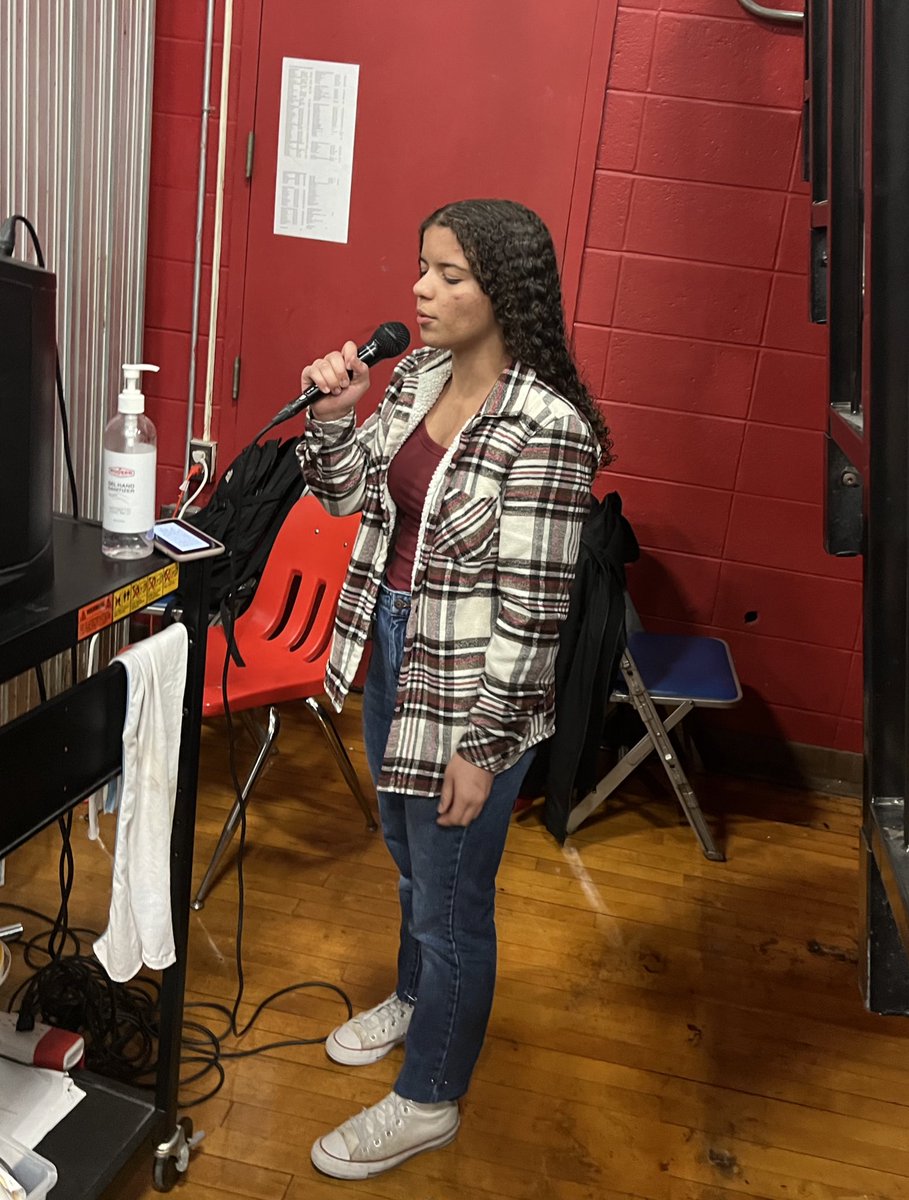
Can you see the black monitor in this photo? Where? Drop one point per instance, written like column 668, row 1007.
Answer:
column 27, row 375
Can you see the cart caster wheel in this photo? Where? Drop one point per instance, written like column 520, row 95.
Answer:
column 172, row 1157
column 164, row 1174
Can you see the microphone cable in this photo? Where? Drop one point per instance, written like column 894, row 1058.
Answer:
column 209, row 1050
column 389, row 340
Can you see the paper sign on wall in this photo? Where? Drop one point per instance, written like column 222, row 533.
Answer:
column 315, row 149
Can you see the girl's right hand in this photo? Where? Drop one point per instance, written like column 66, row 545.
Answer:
column 343, row 379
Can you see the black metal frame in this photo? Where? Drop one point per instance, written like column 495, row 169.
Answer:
column 886, row 430
column 53, row 757
column 816, row 149
column 867, row 501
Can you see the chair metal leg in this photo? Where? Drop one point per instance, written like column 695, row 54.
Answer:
column 327, row 725
column 255, row 722
column 620, row 772
column 647, row 711
column 233, row 817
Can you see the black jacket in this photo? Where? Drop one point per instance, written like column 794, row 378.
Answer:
column 590, row 642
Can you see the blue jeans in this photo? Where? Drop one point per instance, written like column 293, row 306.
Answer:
column 447, row 954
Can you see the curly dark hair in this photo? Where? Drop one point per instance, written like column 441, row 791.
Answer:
column 512, row 257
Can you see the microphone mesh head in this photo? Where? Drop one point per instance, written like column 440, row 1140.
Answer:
column 391, row 338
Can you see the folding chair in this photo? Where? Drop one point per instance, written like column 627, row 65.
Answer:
column 284, row 637
column 677, row 672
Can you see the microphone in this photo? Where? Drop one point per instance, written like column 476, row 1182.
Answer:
column 389, row 340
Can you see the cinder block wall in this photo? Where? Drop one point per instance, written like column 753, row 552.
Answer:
column 692, row 325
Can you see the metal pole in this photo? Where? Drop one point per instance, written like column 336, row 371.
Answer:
column 200, row 215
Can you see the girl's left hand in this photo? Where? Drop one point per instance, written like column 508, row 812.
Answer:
column 465, row 789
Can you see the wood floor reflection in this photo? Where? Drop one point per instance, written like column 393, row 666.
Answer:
column 664, row 1027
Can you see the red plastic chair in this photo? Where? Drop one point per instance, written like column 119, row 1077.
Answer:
column 284, row 638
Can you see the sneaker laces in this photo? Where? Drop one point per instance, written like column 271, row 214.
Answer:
column 384, row 1016
column 368, row 1128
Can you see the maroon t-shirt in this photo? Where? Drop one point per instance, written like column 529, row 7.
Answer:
column 408, row 482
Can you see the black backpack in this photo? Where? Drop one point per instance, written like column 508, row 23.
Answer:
column 246, row 510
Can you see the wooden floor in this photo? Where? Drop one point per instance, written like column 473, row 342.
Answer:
column 664, row 1027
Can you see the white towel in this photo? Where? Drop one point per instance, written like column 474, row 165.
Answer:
column 140, row 928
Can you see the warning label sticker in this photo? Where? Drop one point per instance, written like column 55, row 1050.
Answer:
column 126, row 600
column 95, row 616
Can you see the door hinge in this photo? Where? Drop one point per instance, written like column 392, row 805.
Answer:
column 235, row 389
column 250, row 151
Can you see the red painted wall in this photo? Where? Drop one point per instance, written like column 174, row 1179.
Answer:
column 690, row 323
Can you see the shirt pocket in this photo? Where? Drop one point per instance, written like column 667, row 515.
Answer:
column 467, row 526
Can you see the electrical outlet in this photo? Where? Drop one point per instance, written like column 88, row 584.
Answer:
column 203, row 451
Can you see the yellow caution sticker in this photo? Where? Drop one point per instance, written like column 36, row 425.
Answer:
column 127, row 600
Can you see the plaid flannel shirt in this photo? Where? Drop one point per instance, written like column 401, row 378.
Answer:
column 494, row 563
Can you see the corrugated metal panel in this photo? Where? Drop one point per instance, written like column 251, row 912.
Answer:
column 75, row 132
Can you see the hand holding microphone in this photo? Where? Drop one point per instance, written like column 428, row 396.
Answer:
column 342, row 378
column 343, row 375
column 334, row 384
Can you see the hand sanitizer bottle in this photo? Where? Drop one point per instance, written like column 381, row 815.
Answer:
column 128, row 476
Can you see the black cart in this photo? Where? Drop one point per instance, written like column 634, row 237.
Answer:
column 58, row 754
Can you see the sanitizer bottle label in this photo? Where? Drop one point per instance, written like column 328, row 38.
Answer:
column 129, row 491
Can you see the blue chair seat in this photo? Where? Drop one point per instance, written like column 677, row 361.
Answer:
column 676, row 668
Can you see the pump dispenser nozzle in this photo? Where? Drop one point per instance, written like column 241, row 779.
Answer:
column 131, row 399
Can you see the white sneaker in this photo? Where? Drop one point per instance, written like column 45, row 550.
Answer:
column 385, row 1135
column 369, row 1036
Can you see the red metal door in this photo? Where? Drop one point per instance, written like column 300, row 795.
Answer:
column 457, row 98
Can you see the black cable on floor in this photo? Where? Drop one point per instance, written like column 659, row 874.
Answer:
column 121, row 1022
